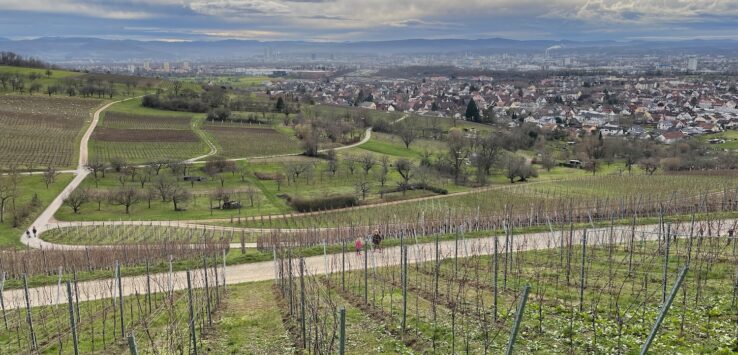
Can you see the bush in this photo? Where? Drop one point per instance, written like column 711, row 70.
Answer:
column 323, row 203
column 268, row 176
column 418, row 186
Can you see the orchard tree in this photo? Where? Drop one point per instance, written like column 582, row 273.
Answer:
column 649, row 165
column 76, row 199
column 126, row 197
column 406, row 169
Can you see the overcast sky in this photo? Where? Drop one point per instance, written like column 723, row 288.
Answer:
column 352, row 20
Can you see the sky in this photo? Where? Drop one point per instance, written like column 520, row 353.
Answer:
column 352, row 20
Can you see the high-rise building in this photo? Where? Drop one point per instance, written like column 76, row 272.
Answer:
column 692, row 64
column 186, row 66
column 166, row 67
column 147, row 65
column 131, row 68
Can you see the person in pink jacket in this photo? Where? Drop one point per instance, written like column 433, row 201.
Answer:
column 358, row 245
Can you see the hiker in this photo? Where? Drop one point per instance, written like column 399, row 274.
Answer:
column 377, row 239
column 28, row 234
column 358, row 245
column 34, row 231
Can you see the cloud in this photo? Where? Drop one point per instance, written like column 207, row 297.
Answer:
column 652, row 11
column 91, row 9
column 391, row 19
column 237, row 8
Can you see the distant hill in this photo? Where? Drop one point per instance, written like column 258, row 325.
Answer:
column 56, row 49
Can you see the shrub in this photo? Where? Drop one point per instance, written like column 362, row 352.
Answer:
column 323, row 203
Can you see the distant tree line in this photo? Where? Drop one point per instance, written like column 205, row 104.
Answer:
column 15, row 60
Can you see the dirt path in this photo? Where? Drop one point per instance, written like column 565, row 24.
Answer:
column 42, row 222
column 315, row 265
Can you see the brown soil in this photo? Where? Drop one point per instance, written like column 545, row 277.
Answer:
column 141, row 135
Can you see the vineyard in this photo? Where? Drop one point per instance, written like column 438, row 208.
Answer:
column 533, row 201
column 101, row 233
column 144, row 135
column 146, row 314
column 39, row 131
column 601, row 290
column 236, row 141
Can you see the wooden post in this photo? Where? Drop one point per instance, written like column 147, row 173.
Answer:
column 302, row 303
column 342, row 336
column 366, row 274
column 29, row 318
column 207, row 289
column 148, row 286
column 518, row 320
column 404, row 287
column 2, row 300
column 666, row 263
column 72, row 320
column 582, row 270
column 120, row 300
column 193, row 336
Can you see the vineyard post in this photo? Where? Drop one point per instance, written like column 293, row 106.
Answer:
column 120, row 300
column 148, row 286
column 171, row 281
column 225, row 287
column 343, row 265
column 342, row 336
column 366, row 274
column 664, row 309
column 325, row 257
column 582, row 270
column 274, row 257
column 72, row 320
column 494, row 278
column 29, row 319
column 207, row 289
column 302, row 303
column 58, row 288
column 243, row 243
column 518, row 320
column 403, row 260
column 666, row 263
column 76, row 296
column 2, row 301
column 132, row 346
column 289, row 270
column 193, row 336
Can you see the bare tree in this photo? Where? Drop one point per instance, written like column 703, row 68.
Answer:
column 179, row 196
column 8, row 191
column 50, row 175
column 405, row 168
column 251, row 194
column 76, row 199
column 457, row 152
column 649, row 165
column 96, row 166
column 164, row 186
column 367, row 163
column 125, row 197
column 98, row 196
column 362, row 187
column 407, row 133
column 485, row 155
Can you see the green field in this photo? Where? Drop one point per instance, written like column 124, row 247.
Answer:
column 26, row 187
